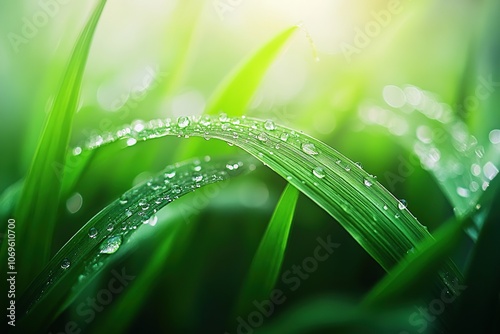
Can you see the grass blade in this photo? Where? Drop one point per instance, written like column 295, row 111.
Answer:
column 235, row 92
column 408, row 278
column 36, row 211
column 442, row 142
column 106, row 231
column 133, row 298
column 479, row 303
column 380, row 223
column 267, row 261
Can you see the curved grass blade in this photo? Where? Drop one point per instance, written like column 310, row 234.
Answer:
column 380, row 223
column 462, row 166
column 267, row 261
column 83, row 255
column 478, row 305
column 134, row 297
column 235, row 92
column 36, row 211
column 408, row 278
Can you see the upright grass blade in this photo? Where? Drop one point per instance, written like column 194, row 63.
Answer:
column 86, row 252
column 236, row 90
column 234, row 94
column 39, row 200
column 377, row 221
column 187, row 14
column 267, row 261
column 419, row 268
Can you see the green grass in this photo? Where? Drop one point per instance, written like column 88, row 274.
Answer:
column 250, row 192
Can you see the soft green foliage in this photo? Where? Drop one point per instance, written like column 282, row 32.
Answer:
column 207, row 261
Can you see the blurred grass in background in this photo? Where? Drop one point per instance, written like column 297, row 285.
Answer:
column 158, row 59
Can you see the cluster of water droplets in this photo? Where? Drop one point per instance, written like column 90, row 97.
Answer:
column 463, row 166
column 138, row 206
column 265, row 136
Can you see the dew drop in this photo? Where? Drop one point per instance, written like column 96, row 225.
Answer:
column 359, row 164
column 232, row 166
column 123, row 199
column 480, row 151
column 111, row 245
column 77, row 150
column 152, row 220
column 197, row 177
column 109, row 227
column 223, row 117
column 262, row 137
column 93, row 232
column 397, row 215
column 65, row 264
column 385, row 207
column 462, row 192
column 309, row 148
column 169, row 172
column 284, row 136
column 131, row 141
column 144, row 205
column 402, row 204
column 319, row 172
column 269, row 125
column 128, row 213
column 183, row 122
column 367, row 182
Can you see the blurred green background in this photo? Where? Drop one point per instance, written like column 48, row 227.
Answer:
column 156, row 59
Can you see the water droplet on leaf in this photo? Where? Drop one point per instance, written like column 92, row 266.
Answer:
column 123, row 199
column 269, row 125
column 197, row 177
column 183, row 122
column 309, row 148
column 367, row 182
column 262, row 137
column 65, row 264
column 110, row 245
column 319, row 172
column 223, row 117
column 93, row 232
